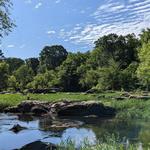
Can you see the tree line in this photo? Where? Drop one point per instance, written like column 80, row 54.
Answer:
column 116, row 62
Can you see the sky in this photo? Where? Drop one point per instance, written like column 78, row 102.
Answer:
column 75, row 24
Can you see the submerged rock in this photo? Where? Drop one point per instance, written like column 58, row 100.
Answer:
column 17, row 128
column 38, row 145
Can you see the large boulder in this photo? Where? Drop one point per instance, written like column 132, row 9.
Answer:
column 85, row 109
column 64, row 108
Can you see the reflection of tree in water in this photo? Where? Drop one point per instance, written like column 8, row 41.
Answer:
column 144, row 134
column 45, row 123
column 129, row 129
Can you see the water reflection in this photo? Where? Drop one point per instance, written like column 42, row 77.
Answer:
column 93, row 129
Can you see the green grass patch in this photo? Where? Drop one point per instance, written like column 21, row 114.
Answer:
column 128, row 108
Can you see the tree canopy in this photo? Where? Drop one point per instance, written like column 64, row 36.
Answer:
column 116, row 62
column 52, row 56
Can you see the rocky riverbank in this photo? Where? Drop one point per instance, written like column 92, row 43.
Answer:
column 63, row 108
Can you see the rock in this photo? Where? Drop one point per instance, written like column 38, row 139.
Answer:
column 17, row 128
column 38, row 110
column 120, row 98
column 125, row 94
column 11, row 109
column 34, row 107
column 38, row 145
column 139, row 97
column 64, row 108
column 85, row 109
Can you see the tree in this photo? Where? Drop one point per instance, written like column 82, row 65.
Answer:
column 33, row 63
column 109, row 77
column 3, row 75
column 46, row 80
column 68, row 74
column 89, row 78
column 24, row 75
column 1, row 55
column 53, row 56
column 12, row 83
column 145, row 36
column 14, row 64
column 143, row 71
column 6, row 23
column 123, row 49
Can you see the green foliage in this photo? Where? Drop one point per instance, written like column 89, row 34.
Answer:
column 12, row 83
column 110, row 142
column 53, row 56
column 68, row 72
column 145, row 36
column 46, row 80
column 1, row 55
column 6, row 23
column 3, row 75
column 116, row 63
column 33, row 63
column 120, row 48
column 24, row 75
column 143, row 71
column 14, row 64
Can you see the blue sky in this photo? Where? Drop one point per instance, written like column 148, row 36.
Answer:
column 75, row 24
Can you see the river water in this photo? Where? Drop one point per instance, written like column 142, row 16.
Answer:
column 91, row 129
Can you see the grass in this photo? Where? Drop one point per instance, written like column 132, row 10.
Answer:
column 129, row 108
column 109, row 143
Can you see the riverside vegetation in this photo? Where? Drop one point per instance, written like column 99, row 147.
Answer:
column 117, row 62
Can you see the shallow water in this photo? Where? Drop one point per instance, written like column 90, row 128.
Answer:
column 92, row 129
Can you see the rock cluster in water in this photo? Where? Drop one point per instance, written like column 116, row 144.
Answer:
column 63, row 108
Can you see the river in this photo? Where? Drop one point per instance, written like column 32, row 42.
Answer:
column 91, row 129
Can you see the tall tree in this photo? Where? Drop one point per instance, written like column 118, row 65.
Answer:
column 68, row 72
column 14, row 63
column 145, row 36
column 3, row 75
column 1, row 55
column 24, row 75
column 33, row 63
column 143, row 71
column 122, row 49
column 53, row 56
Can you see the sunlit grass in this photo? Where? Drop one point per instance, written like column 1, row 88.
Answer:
column 110, row 142
column 128, row 108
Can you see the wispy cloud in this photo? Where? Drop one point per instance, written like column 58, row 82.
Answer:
column 28, row 1
column 11, row 46
column 51, row 32
column 112, row 17
column 38, row 5
column 57, row 1
column 22, row 46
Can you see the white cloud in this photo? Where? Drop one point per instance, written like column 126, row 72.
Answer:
column 10, row 46
column 57, row 1
column 51, row 32
column 22, row 46
column 112, row 17
column 28, row 1
column 38, row 5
